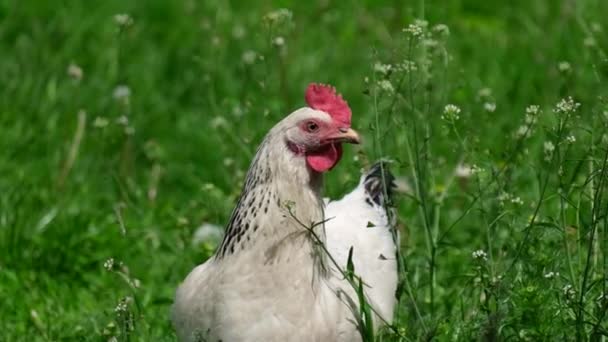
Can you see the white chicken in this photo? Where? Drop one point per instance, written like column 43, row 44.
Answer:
column 269, row 280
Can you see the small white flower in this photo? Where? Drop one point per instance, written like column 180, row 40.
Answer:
column 571, row 139
column 123, row 305
column 504, row 197
column 430, row 43
column 566, row 106
column 414, row 30
column 489, row 106
column 442, row 29
column 129, row 130
column 218, row 121
column 123, row 20
column 532, row 109
column 248, row 57
column 484, row 93
column 109, row 264
column 551, row 275
column 75, row 72
column 208, row 233
column 282, row 14
column 228, row 162
column 121, row 92
column 548, row 148
column 568, row 290
column 476, row 169
column 450, row 113
column 517, row 200
column 463, row 171
column 278, row 41
column 122, row 120
column 564, row 66
column 589, row 42
column 480, row 255
column 522, row 131
column 382, row 68
column 100, row 122
column 386, row 86
column 407, row 66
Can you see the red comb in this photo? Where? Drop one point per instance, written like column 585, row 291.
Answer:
column 324, row 97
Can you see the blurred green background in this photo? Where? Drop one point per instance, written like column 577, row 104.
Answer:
column 120, row 135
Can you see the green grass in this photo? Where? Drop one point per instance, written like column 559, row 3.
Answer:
column 86, row 176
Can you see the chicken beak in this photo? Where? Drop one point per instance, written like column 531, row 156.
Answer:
column 347, row 135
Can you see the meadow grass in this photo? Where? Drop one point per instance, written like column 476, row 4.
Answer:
column 125, row 126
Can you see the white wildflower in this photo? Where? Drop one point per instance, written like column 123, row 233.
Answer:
column 122, row 120
column 121, row 92
column 522, row 131
column 407, row 66
column 450, row 113
column 566, row 106
column 489, row 106
column 123, row 304
column 414, row 30
column 208, row 233
column 248, row 57
column 463, row 171
column 382, row 68
column 517, row 200
column 278, row 41
column 129, row 130
column 386, row 86
column 568, row 290
column 100, row 122
column 282, row 14
column 109, row 264
column 218, row 121
column 504, row 197
column 589, row 41
column 228, row 162
column 484, row 93
column 533, row 110
column 551, row 275
column 476, row 169
column 564, row 66
column 430, row 43
column 480, row 254
column 75, row 72
column 441, row 29
column 571, row 139
column 548, row 147
column 530, row 119
column 123, row 20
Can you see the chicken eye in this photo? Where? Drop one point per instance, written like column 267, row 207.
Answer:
column 312, row 126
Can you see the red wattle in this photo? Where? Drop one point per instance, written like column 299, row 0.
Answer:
column 325, row 158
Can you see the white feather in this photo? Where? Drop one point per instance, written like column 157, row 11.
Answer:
column 353, row 222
